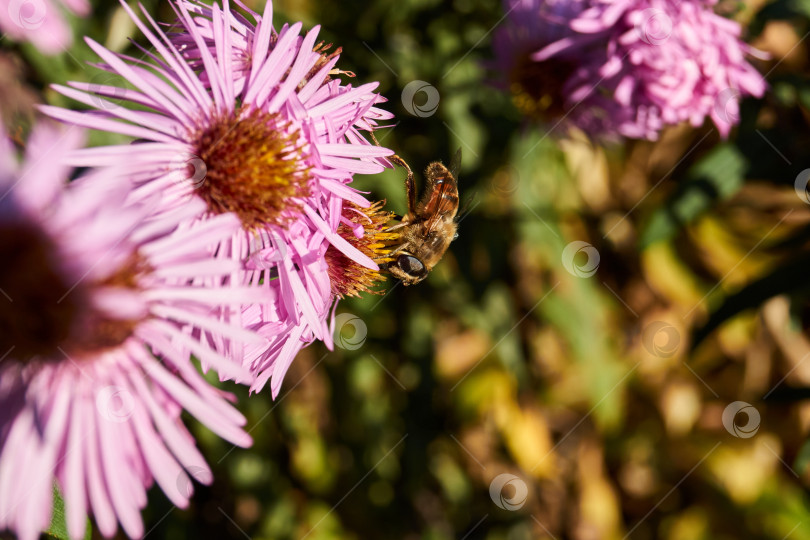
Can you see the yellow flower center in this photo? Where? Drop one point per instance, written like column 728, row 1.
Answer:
column 252, row 166
column 349, row 278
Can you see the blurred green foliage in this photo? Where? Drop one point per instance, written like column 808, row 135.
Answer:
column 592, row 390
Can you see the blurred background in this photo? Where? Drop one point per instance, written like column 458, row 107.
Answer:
column 615, row 346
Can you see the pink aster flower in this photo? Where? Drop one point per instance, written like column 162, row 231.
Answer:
column 92, row 286
column 626, row 67
column 40, row 21
column 271, row 135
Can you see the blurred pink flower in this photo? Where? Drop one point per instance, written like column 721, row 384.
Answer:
column 92, row 285
column 626, row 67
column 268, row 133
column 40, row 21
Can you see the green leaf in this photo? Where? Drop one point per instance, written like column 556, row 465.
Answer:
column 801, row 6
column 717, row 176
column 803, row 458
column 58, row 528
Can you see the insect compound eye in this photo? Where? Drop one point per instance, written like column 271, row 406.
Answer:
column 411, row 265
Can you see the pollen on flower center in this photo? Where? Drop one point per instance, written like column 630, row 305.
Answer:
column 348, row 278
column 537, row 87
column 43, row 313
column 253, row 167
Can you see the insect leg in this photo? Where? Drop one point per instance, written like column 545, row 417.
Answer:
column 409, row 185
column 395, row 227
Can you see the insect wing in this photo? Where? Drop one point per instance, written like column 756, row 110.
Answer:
column 443, row 203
